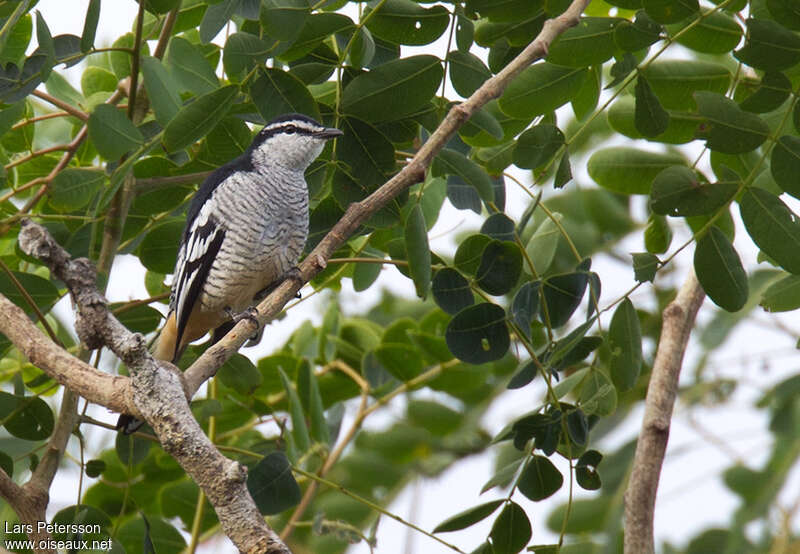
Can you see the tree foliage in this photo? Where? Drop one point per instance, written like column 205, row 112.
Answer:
column 685, row 115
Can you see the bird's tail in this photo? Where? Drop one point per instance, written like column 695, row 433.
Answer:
column 163, row 349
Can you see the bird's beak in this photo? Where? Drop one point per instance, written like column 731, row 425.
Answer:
column 329, row 133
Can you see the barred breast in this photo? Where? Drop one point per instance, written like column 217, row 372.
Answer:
column 266, row 223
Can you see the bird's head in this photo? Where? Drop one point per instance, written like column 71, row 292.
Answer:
column 291, row 140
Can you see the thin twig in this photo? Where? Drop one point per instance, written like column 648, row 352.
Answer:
column 69, row 108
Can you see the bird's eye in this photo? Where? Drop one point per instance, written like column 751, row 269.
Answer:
column 290, row 129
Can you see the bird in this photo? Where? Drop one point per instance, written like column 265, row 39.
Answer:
column 245, row 230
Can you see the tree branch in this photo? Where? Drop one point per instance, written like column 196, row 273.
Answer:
column 640, row 497
column 158, row 393
column 112, row 391
column 207, row 364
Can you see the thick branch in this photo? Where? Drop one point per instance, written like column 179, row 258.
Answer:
column 205, row 366
column 640, row 498
column 112, row 391
column 157, row 391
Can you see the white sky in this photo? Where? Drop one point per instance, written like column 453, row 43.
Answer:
column 691, row 494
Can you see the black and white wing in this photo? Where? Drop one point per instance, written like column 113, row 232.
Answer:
column 197, row 254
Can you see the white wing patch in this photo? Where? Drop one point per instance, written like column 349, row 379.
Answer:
column 195, row 258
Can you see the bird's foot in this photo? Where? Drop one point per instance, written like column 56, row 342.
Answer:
column 250, row 313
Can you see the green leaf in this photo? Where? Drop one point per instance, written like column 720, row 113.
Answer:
column 276, row 92
column 675, row 81
column 190, row 68
column 773, row 90
column 407, row 85
column 369, row 156
column 451, row 291
column 772, row 226
column 43, row 292
column 561, row 296
column 770, row 46
column 112, row 133
column 540, row 89
column 588, row 43
column 785, row 11
column 716, row 33
column 196, row 119
column 650, row 118
column 511, row 530
column 641, row 33
column 469, row 252
column 586, row 470
column 525, row 306
column 598, row 396
column 478, row 334
column 363, row 50
column 32, row 420
column 7, row 464
column 406, row 22
column 540, row 479
column 625, row 344
column 139, row 319
column 454, row 163
column 680, row 191
column 302, row 440
column 316, row 29
column 59, row 87
column 131, row 449
column 657, row 234
column 526, row 373
column 97, row 79
column 73, row 188
column 585, row 101
column 563, row 172
column 468, row 517
column 537, row 146
column 46, row 45
column 365, row 274
column 465, row 32
column 419, row 254
column 308, row 390
column 541, row 247
column 227, row 140
column 13, row 44
column 729, row 129
column 272, row 485
column 243, row 52
column 90, row 25
column 149, row 534
column 159, row 248
column 670, row 11
column 645, row 266
column 283, row 19
column 400, row 360
column 467, row 72
column 215, row 18
column 482, row 122
column 628, row 170
column 785, row 164
column 239, row 374
column 783, row 295
column 720, row 270
column 500, row 267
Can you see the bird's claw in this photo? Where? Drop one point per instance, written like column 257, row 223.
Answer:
column 250, row 313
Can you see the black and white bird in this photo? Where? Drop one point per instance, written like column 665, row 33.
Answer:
column 245, row 229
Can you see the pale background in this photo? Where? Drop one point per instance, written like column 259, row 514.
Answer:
column 691, row 494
